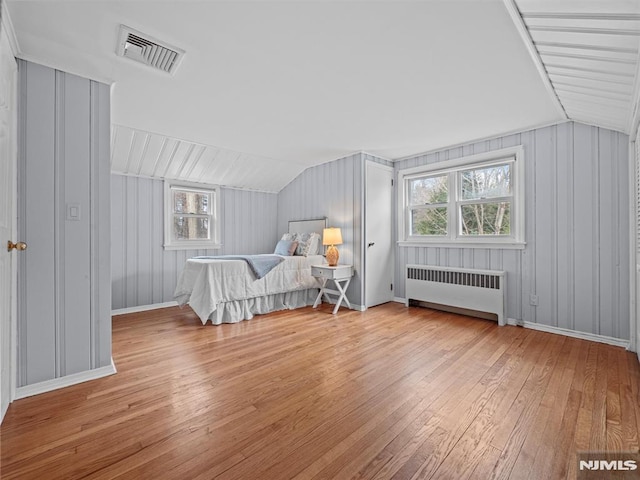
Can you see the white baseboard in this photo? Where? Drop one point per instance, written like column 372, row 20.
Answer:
column 4, row 411
column 400, row 300
column 618, row 342
column 66, row 381
column 143, row 308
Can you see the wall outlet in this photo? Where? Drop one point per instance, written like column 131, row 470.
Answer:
column 533, row 300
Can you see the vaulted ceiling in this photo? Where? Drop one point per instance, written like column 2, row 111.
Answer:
column 267, row 89
column 589, row 54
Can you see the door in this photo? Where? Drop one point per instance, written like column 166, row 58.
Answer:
column 8, row 263
column 635, row 263
column 378, row 242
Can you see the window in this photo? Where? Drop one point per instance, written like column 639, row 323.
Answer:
column 472, row 201
column 191, row 214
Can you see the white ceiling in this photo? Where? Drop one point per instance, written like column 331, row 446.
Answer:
column 274, row 87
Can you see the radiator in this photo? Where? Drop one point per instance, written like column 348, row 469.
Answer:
column 480, row 290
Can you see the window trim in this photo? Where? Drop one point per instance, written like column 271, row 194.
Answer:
column 169, row 242
column 453, row 239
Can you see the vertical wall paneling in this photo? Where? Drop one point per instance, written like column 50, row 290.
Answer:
column 143, row 273
column 543, row 225
column 63, row 325
column 331, row 190
column 528, row 255
column 101, row 225
column 576, row 260
column 607, row 170
column 36, row 269
column 131, row 238
column 73, row 128
column 158, row 232
column 59, row 217
column 624, row 261
column 585, row 228
column 334, row 190
column 564, row 225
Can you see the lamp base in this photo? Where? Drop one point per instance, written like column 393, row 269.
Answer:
column 332, row 256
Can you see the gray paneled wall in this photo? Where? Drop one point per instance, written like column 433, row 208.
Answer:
column 332, row 190
column 577, row 230
column 64, row 321
column 143, row 273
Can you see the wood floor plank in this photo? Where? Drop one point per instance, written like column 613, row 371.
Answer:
column 521, row 418
column 393, row 392
column 627, row 404
column 613, row 417
column 551, row 457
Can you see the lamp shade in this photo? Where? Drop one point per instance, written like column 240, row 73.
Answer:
column 331, row 236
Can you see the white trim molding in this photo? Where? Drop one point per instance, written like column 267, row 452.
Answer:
column 515, row 15
column 513, row 156
column 634, row 116
column 633, row 247
column 213, row 194
column 503, row 246
column 143, row 308
column 7, row 24
column 66, row 381
column 617, row 342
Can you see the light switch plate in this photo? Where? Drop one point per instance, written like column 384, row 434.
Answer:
column 73, row 212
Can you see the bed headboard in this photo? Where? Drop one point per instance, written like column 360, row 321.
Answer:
column 307, row 226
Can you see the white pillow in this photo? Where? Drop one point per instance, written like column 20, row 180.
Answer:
column 286, row 248
column 312, row 246
column 308, row 243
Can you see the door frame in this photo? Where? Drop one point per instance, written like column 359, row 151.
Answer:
column 7, row 31
column 634, row 273
column 367, row 165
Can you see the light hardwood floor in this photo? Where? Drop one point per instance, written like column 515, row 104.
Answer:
column 388, row 393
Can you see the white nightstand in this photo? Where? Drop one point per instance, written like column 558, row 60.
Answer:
column 339, row 273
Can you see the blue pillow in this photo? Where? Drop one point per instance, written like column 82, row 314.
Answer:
column 286, row 247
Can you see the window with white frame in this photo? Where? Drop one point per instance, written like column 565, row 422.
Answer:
column 471, row 201
column 191, row 216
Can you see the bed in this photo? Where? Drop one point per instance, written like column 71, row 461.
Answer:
column 227, row 290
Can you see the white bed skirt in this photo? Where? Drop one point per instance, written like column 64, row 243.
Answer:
column 238, row 310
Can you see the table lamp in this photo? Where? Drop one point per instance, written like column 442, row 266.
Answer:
column 332, row 236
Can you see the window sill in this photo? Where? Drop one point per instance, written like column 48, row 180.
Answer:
column 489, row 245
column 194, row 246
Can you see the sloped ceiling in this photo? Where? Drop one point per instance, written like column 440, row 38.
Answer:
column 141, row 153
column 589, row 50
column 267, row 89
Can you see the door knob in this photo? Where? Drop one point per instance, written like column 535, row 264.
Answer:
column 18, row 246
column 371, row 244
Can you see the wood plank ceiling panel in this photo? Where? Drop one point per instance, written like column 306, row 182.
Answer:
column 590, row 52
column 136, row 152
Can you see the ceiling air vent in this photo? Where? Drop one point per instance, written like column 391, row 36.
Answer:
column 147, row 50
